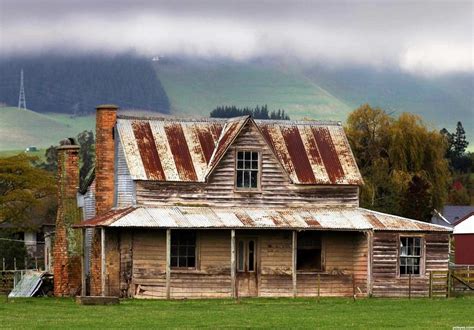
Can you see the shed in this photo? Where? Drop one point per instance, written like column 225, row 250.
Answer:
column 464, row 240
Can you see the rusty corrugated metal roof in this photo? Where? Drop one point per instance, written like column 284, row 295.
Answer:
column 188, row 150
column 336, row 218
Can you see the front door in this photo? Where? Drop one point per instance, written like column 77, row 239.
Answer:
column 247, row 267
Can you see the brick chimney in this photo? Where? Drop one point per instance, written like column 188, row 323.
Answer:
column 67, row 242
column 106, row 118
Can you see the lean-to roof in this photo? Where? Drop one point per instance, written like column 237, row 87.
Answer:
column 335, row 218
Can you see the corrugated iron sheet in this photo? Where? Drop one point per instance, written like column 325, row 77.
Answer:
column 28, row 285
column 187, row 150
column 264, row 218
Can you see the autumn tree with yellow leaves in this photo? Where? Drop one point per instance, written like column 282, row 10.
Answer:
column 402, row 162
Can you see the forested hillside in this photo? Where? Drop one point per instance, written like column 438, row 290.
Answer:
column 76, row 84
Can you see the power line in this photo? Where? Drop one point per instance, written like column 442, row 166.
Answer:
column 22, row 96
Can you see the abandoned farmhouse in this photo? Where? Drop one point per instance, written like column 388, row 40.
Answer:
column 208, row 208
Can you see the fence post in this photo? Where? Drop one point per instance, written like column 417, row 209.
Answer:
column 36, row 263
column 3, row 264
column 25, row 263
column 409, row 286
column 448, row 293
column 431, row 285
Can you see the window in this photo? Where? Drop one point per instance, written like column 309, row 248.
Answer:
column 410, row 255
column 309, row 251
column 183, row 249
column 246, row 255
column 247, row 168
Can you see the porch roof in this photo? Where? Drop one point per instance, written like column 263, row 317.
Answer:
column 335, row 218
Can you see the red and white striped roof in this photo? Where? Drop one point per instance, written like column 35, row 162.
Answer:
column 183, row 150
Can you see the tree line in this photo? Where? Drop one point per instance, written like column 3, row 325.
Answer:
column 259, row 112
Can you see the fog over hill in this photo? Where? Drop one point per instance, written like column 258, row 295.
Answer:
column 194, row 86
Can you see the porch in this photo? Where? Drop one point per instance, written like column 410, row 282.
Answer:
column 177, row 263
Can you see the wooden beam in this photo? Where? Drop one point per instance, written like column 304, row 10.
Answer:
column 102, row 259
column 83, row 264
column 369, row 262
column 293, row 261
column 232, row 262
column 168, row 262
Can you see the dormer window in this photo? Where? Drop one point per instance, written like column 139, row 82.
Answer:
column 247, row 170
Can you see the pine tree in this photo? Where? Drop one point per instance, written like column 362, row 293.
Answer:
column 459, row 140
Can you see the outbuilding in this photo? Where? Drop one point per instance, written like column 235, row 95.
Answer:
column 464, row 240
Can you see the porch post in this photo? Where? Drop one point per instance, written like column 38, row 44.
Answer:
column 369, row 262
column 83, row 263
column 102, row 257
column 293, row 260
column 168, row 262
column 232, row 261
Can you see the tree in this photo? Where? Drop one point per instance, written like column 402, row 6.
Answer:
column 86, row 153
column 457, row 143
column 51, row 159
column 26, row 191
column 398, row 158
column 459, row 140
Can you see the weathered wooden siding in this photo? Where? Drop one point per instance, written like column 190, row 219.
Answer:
column 344, row 253
column 211, row 279
column 219, row 191
column 344, row 256
column 387, row 282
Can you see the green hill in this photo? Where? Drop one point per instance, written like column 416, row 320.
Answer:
column 22, row 128
column 197, row 87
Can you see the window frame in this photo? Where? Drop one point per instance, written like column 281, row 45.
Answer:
column 196, row 252
column 259, row 170
column 422, row 272
column 323, row 254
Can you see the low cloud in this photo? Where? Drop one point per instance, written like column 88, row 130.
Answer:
column 419, row 37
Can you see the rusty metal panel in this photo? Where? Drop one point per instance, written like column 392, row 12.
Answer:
column 328, row 154
column 130, row 147
column 336, row 218
column 188, row 150
column 274, row 137
column 314, row 156
column 346, row 158
column 298, row 154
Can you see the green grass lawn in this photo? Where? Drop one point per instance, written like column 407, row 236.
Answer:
column 262, row 313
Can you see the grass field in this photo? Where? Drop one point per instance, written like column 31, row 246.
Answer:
column 20, row 129
column 197, row 88
column 260, row 313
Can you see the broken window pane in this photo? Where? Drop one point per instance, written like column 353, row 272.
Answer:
column 247, row 168
column 410, row 255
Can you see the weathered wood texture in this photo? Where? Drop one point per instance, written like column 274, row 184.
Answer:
column 386, row 280
column 276, row 189
column 344, row 254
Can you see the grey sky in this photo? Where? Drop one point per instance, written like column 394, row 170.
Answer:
column 424, row 37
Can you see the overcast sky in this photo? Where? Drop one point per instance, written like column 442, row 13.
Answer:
column 422, row 37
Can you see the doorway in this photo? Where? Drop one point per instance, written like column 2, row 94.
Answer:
column 247, row 284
